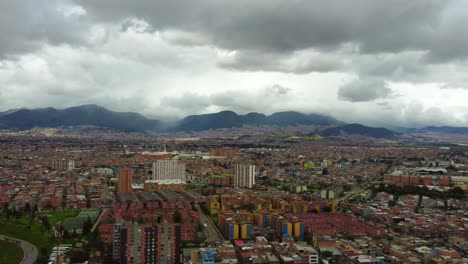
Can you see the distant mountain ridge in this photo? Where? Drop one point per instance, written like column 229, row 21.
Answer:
column 76, row 116
column 10, row 111
column 358, row 129
column 99, row 116
column 24, row 118
column 440, row 129
column 229, row 119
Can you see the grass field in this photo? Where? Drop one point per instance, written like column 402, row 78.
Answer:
column 77, row 221
column 59, row 215
column 25, row 229
column 10, row 253
column 32, row 230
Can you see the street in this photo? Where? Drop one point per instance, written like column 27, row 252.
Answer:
column 211, row 232
column 30, row 251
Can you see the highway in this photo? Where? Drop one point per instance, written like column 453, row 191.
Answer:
column 212, row 233
column 30, row 251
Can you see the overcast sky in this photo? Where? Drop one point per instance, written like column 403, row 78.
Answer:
column 398, row 62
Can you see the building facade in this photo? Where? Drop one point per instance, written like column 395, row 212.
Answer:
column 244, row 176
column 63, row 165
column 168, row 170
column 133, row 243
column 125, row 176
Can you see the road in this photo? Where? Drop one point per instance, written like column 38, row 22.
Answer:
column 212, row 233
column 98, row 220
column 30, row 251
column 361, row 189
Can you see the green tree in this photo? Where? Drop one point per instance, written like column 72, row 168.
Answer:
column 176, row 217
column 326, row 254
column 87, row 226
column 45, row 222
column 457, row 192
column 27, row 208
column 6, row 211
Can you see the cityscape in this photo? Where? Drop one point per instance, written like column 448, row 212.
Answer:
column 233, row 132
column 136, row 199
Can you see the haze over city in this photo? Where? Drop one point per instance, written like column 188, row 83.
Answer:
column 398, row 63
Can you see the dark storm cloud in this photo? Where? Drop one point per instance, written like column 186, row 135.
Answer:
column 404, row 65
column 364, row 91
column 26, row 25
column 435, row 26
column 179, row 57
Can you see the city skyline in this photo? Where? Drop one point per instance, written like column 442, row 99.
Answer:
column 400, row 62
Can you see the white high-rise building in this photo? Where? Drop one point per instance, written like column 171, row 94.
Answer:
column 168, row 170
column 63, row 165
column 245, row 176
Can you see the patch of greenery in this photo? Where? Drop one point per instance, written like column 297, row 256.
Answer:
column 281, row 134
column 34, row 229
column 26, row 229
column 58, row 215
column 10, row 253
column 307, row 138
column 77, row 222
column 221, row 175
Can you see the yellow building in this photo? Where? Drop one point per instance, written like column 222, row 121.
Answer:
column 298, row 229
column 245, row 231
column 285, row 207
column 232, row 230
column 286, row 227
column 214, row 206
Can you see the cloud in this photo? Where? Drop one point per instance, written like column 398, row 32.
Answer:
column 364, row 91
column 240, row 101
column 299, row 62
column 277, row 90
column 175, row 58
column 281, row 27
column 185, row 38
column 27, row 25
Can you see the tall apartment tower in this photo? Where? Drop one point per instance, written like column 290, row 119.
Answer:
column 146, row 244
column 63, row 165
column 168, row 170
column 125, row 176
column 245, row 176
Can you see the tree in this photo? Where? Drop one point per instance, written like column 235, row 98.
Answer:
column 177, row 218
column 326, row 254
column 45, row 222
column 16, row 213
column 6, row 211
column 326, row 209
column 27, row 207
column 87, row 226
column 457, row 192
column 250, row 207
column 65, row 234
column 77, row 256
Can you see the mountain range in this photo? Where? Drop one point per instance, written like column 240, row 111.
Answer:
column 23, row 119
column 75, row 116
column 228, row 119
column 358, row 129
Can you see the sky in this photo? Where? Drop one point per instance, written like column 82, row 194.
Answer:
column 383, row 63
